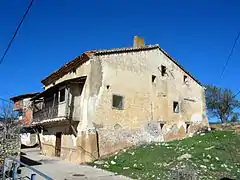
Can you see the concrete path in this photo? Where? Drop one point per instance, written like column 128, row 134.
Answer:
column 62, row 170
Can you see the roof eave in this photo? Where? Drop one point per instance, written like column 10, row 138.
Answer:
column 23, row 96
column 65, row 69
column 180, row 66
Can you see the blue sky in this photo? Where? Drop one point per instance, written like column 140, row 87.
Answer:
column 199, row 34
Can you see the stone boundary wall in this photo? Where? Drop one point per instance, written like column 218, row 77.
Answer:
column 9, row 146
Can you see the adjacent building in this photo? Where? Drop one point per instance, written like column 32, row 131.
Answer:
column 106, row 100
column 23, row 106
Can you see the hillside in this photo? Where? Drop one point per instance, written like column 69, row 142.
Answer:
column 213, row 155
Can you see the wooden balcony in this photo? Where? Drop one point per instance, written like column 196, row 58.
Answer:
column 45, row 113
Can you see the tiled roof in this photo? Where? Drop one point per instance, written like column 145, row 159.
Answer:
column 23, row 96
column 66, row 68
column 88, row 54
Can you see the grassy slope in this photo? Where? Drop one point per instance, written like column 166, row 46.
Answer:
column 156, row 161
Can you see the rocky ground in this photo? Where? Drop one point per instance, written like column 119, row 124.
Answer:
column 213, row 155
column 235, row 126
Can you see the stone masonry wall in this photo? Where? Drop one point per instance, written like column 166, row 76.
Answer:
column 10, row 146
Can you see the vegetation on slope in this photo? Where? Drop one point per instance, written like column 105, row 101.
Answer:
column 212, row 155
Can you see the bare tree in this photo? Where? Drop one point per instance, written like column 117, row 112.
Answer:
column 8, row 124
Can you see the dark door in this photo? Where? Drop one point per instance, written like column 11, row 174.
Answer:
column 58, row 144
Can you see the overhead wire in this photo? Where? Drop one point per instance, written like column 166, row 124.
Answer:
column 230, row 54
column 221, row 76
column 16, row 31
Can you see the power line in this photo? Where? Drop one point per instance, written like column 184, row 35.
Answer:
column 230, row 55
column 4, row 99
column 16, row 31
column 9, row 101
column 223, row 70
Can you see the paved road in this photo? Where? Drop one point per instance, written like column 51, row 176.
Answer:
column 62, row 170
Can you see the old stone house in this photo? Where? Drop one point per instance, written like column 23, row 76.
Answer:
column 105, row 100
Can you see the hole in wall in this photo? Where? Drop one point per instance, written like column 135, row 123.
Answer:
column 187, row 126
column 162, row 123
column 163, row 70
column 153, row 78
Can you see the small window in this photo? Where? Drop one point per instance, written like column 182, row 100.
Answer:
column 163, row 70
column 185, row 79
column 62, row 95
column 117, row 102
column 153, row 79
column 175, row 107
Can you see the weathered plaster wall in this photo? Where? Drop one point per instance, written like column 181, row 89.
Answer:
column 28, row 139
column 145, row 103
column 82, row 148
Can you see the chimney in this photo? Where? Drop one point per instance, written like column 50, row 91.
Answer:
column 138, row 41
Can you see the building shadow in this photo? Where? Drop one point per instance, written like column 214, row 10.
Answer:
column 28, row 161
column 27, row 147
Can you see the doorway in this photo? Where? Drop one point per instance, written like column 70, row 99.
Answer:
column 58, row 144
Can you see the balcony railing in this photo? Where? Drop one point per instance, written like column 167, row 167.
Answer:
column 45, row 113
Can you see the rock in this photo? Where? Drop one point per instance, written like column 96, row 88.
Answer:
column 106, row 166
column 224, row 165
column 205, row 160
column 211, row 147
column 184, row 156
column 208, row 156
column 203, row 166
column 99, row 162
column 113, row 162
column 132, row 153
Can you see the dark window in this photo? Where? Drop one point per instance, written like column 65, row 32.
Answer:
column 184, row 78
column 153, row 79
column 163, row 70
column 117, row 102
column 187, row 127
column 162, row 124
column 175, row 107
column 62, row 95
